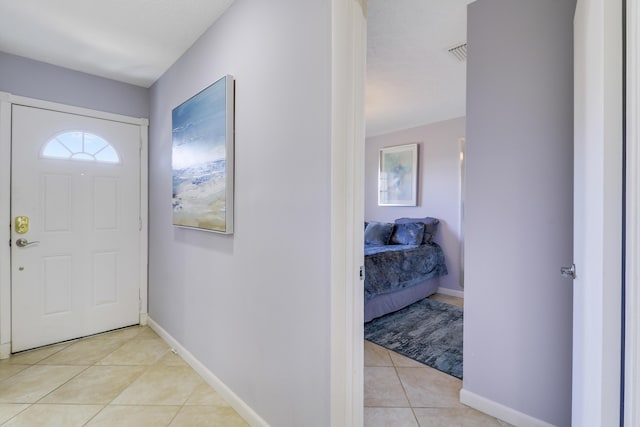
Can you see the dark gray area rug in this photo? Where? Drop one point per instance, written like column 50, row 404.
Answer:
column 427, row 331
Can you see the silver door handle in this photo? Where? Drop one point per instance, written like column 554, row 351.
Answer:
column 21, row 243
column 568, row 272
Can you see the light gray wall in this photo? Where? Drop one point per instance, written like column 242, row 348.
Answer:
column 518, row 206
column 254, row 307
column 34, row 79
column 438, row 185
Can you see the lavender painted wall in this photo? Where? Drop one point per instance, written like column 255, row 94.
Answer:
column 254, row 307
column 438, row 184
column 34, row 79
column 518, row 206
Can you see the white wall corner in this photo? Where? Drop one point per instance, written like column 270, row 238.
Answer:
column 244, row 410
column 500, row 411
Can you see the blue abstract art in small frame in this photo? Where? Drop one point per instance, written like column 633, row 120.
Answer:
column 398, row 176
column 202, row 159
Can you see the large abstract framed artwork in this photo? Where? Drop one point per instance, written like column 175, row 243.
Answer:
column 202, row 159
column 398, row 176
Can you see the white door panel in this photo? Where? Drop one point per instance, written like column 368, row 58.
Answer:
column 81, row 277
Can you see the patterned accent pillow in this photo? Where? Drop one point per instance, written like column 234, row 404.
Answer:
column 430, row 226
column 377, row 233
column 407, row 234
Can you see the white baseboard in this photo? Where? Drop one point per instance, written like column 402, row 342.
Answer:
column 450, row 292
column 5, row 351
column 227, row 394
column 500, row 411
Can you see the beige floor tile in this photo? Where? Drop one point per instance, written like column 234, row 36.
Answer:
column 9, row 410
column 32, row 357
column 401, row 361
column 428, row 387
column 146, row 332
column 8, row 370
column 204, row 416
column 121, row 334
column 171, row 359
column 460, row 417
column 137, row 352
column 33, row 383
column 97, row 385
column 389, row 417
column 204, row 395
column 383, row 388
column 134, row 416
column 54, row 416
column 448, row 299
column 83, row 352
column 375, row 355
column 161, row 385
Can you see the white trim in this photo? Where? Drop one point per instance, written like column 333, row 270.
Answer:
column 144, row 222
column 6, row 101
column 461, row 196
column 227, row 394
column 632, row 273
column 450, row 292
column 79, row 111
column 144, row 319
column 5, row 221
column 348, row 51
column 500, row 411
column 5, row 351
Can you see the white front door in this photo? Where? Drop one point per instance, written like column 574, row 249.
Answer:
column 75, row 270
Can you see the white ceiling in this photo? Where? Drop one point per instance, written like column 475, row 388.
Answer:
column 134, row 41
column 411, row 78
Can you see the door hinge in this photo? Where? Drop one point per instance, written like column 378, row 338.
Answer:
column 139, row 224
column 362, row 272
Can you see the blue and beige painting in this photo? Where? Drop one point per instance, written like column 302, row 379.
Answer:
column 199, row 160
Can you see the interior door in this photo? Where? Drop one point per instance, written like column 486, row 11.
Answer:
column 75, row 197
column 597, row 213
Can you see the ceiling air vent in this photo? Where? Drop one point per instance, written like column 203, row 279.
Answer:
column 459, row 51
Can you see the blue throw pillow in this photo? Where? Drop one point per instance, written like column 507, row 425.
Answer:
column 377, row 233
column 407, row 234
column 430, row 226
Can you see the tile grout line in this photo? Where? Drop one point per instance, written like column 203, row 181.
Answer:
column 146, row 368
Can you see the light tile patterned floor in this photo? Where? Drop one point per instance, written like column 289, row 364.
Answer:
column 400, row 392
column 123, row 378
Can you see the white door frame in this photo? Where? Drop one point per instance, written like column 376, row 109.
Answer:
column 349, row 38
column 632, row 273
column 595, row 396
column 6, row 100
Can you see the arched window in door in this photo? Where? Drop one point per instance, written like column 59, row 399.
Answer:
column 78, row 145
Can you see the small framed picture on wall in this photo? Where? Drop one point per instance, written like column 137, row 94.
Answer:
column 398, row 176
